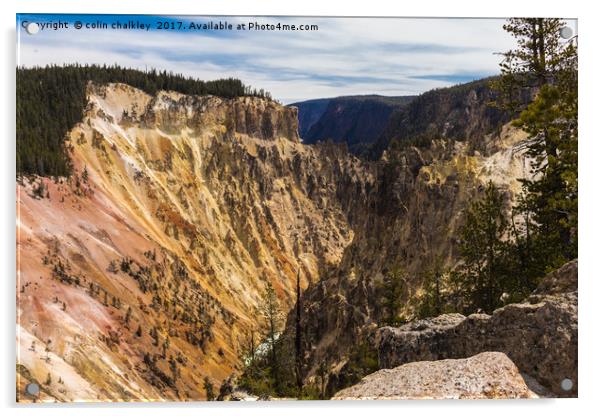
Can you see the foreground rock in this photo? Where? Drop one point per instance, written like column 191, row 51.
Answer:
column 489, row 375
column 539, row 335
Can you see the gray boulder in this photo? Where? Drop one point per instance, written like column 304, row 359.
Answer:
column 539, row 335
column 489, row 375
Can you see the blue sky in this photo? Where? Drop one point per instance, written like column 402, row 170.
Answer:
column 387, row 56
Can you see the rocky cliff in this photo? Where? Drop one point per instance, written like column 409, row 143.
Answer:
column 539, row 335
column 141, row 273
column 310, row 112
column 410, row 216
column 463, row 112
column 489, row 375
column 434, row 158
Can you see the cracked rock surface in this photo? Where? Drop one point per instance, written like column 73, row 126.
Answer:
column 489, row 375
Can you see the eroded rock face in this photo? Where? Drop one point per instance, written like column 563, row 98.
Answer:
column 143, row 275
column 489, row 375
column 173, row 112
column 188, row 206
column 539, row 335
column 411, row 211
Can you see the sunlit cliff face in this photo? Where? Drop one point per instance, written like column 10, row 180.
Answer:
column 160, row 245
column 142, row 273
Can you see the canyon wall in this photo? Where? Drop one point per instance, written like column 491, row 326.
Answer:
column 143, row 272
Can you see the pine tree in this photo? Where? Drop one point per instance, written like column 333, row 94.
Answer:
column 539, row 58
column 546, row 65
column 434, row 279
column 322, row 374
column 154, row 335
column 39, row 190
column 85, row 175
column 165, row 347
column 128, row 316
column 298, row 349
column 484, row 252
column 271, row 315
column 208, row 386
column 393, row 287
column 112, row 267
column 552, row 196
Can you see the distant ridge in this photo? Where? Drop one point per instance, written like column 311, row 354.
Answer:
column 357, row 120
column 459, row 112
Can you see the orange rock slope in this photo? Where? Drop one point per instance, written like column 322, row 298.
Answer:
column 141, row 274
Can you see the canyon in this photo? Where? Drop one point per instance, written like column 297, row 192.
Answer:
column 141, row 275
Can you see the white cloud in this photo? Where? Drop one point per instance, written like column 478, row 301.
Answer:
column 345, row 56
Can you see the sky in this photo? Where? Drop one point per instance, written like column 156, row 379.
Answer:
column 345, row 56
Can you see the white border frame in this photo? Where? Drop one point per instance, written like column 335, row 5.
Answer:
column 590, row 150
